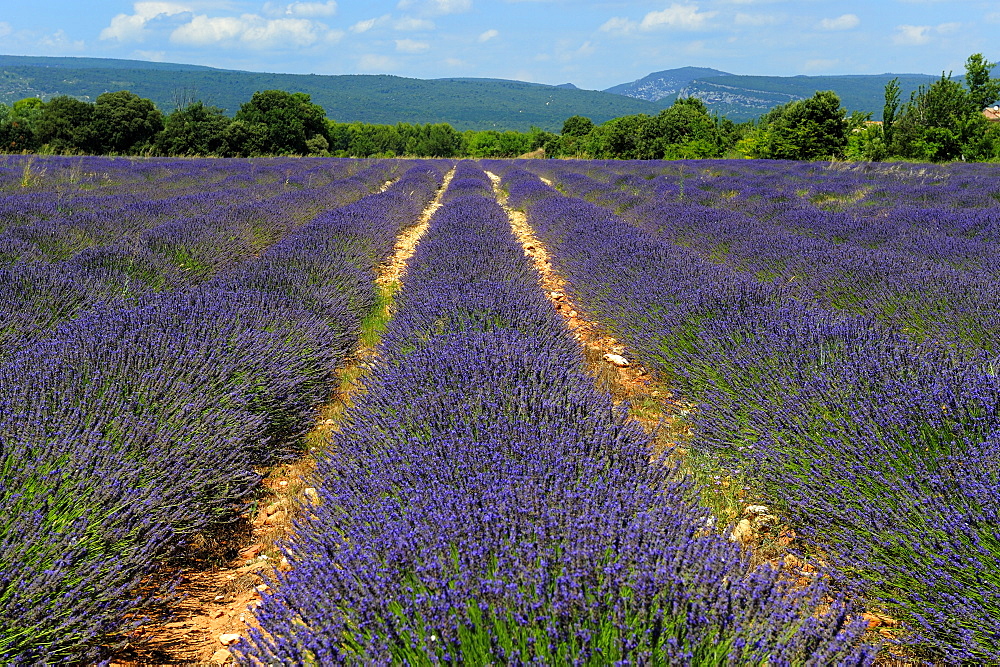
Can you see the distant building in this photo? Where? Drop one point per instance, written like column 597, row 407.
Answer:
column 992, row 113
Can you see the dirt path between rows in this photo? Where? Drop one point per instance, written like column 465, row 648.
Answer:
column 216, row 597
column 654, row 407
column 633, row 382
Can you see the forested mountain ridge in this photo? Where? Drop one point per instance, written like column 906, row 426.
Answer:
column 741, row 97
column 664, row 85
column 466, row 104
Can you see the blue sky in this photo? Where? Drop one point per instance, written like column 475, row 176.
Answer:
column 591, row 44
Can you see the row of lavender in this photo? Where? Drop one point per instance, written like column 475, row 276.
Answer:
column 68, row 193
column 853, row 240
column 484, row 504
column 139, row 423
column 126, row 247
column 885, row 452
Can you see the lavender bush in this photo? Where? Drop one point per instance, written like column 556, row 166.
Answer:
column 140, row 422
column 483, row 503
column 864, row 433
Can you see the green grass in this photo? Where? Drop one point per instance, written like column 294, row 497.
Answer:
column 374, row 323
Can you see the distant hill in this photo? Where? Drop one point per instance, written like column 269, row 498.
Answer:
column 745, row 97
column 663, row 85
column 742, row 97
column 467, row 104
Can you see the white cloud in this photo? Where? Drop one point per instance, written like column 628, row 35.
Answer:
column 570, row 54
column 488, row 35
column 132, row 27
column 435, row 7
column 252, row 31
column 676, row 16
column 683, row 17
column 60, row 40
column 842, row 22
column 912, row 35
column 5, row 29
column 301, row 9
column 367, row 24
column 619, row 25
column 918, row 35
column 411, row 24
column 204, row 30
column 411, row 46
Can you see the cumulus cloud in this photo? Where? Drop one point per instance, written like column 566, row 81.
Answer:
column 842, row 22
column 683, row 17
column 252, row 31
column 285, row 25
column 301, row 9
column 61, row 41
column 912, row 35
column 488, row 35
column 368, row 24
column 567, row 53
column 619, row 25
column 918, row 35
column 435, row 7
column 676, row 17
column 411, row 46
column 132, row 27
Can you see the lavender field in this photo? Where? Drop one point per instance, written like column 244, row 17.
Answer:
column 171, row 327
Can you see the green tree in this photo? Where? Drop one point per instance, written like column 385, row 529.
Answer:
column 889, row 110
column 547, row 141
column 194, row 130
column 577, row 126
column 934, row 122
column 17, row 132
column 244, row 139
column 688, row 131
column 944, row 121
column 494, row 144
column 66, row 125
column 627, row 138
column 810, row 129
column 340, row 138
column 125, row 123
column 440, row 140
column 984, row 90
column 290, row 120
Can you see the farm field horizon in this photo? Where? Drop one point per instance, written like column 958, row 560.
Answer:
column 498, row 411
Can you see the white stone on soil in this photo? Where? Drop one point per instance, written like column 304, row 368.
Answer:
column 617, row 360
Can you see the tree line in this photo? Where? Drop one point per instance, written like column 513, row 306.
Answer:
column 941, row 121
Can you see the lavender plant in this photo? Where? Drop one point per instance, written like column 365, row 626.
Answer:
column 133, row 426
column 863, row 435
column 483, row 503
